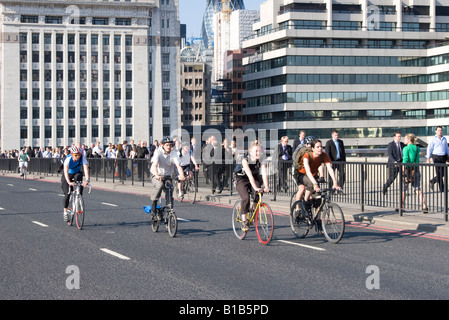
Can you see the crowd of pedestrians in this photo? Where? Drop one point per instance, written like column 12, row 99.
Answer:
column 123, row 159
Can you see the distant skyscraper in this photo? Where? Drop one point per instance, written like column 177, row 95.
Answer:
column 213, row 6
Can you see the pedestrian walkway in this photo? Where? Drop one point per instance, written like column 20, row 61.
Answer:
column 382, row 217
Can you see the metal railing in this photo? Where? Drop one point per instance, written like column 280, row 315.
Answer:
column 362, row 182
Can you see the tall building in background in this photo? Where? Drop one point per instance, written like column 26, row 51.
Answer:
column 88, row 71
column 365, row 68
column 212, row 7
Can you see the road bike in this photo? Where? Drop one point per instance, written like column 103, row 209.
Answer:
column 164, row 214
column 76, row 210
column 188, row 187
column 261, row 216
column 331, row 224
column 23, row 171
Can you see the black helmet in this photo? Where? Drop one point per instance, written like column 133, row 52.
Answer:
column 309, row 139
column 166, row 140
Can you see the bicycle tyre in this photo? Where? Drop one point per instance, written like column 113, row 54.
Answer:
column 333, row 222
column 191, row 191
column 155, row 224
column 298, row 222
column 80, row 212
column 264, row 223
column 71, row 212
column 237, row 221
column 172, row 224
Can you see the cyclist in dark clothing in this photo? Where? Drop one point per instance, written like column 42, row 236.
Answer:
column 248, row 179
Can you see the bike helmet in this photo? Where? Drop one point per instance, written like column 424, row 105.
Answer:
column 166, row 140
column 74, row 150
column 309, row 139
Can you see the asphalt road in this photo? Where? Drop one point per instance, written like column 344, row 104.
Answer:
column 117, row 256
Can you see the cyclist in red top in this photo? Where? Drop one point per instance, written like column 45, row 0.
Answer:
column 309, row 171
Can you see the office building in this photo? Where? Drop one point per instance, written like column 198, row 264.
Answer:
column 365, row 68
column 88, row 71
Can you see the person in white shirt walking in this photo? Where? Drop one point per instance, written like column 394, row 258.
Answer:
column 438, row 151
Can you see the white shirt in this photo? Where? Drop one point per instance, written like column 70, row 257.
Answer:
column 166, row 162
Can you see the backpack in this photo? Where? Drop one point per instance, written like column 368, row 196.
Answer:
column 299, row 163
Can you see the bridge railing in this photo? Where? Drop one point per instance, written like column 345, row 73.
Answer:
column 362, row 182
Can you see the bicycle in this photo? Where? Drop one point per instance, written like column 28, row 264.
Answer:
column 188, row 187
column 24, row 172
column 77, row 209
column 302, row 219
column 262, row 216
column 170, row 218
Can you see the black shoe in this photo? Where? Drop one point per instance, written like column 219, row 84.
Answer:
column 384, row 190
column 319, row 226
column 431, row 184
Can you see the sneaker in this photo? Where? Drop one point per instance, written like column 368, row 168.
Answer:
column 66, row 216
column 245, row 226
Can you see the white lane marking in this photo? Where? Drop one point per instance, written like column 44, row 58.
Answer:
column 10, row 184
column 303, row 245
column 40, row 224
column 182, row 219
column 32, row 189
column 109, row 204
column 61, row 195
column 2, row 208
column 115, row 254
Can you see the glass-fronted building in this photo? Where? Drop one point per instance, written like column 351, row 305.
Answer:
column 365, row 68
column 207, row 27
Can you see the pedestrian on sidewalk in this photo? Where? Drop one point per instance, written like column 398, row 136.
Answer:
column 411, row 173
column 438, row 151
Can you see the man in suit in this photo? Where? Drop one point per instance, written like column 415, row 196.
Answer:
column 394, row 149
column 301, row 139
column 335, row 149
column 285, row 153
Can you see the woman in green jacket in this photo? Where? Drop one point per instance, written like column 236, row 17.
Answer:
column 412, row 175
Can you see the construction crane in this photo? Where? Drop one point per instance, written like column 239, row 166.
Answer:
column 226, row 9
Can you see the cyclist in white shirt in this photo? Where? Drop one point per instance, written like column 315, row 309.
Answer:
column 163, row 165
column 185, row 157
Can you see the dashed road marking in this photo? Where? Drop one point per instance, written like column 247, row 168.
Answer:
column 40, row 224
column 115, row 254
column 302, row 245
column 109, row 204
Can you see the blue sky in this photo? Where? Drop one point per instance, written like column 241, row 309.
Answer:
column 191, row 13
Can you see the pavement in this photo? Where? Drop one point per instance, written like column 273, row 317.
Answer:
column 411, row 221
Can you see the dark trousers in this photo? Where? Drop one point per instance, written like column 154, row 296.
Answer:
column 243, row 186
column 339, row 171
column 439, row 171
column 65, row 186
column 394, row 170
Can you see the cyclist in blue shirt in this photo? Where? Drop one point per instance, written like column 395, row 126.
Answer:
column 72, row 172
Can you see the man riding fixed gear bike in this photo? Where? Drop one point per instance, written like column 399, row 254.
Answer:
column 72, row 172
column 309, row 171
column 164, row 161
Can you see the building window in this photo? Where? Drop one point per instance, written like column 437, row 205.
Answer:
column 122, row 21
column 100, row 21
column 72, row 132
column 53, row 19
column 59, row 132
column 47, row 132
column 36, row 132
column 29, row 19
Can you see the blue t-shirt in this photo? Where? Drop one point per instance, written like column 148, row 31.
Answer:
column 74, row 166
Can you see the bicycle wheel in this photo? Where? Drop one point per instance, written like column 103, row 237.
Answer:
column 190, row 191
column 155, row 223
column 237, row 221
column 298, row 222
column 264, row 223
column 172, row 224
column 80, row 212
column 333, row 222
column 71, row 211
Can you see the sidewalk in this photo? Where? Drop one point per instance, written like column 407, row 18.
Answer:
column 433, row 223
